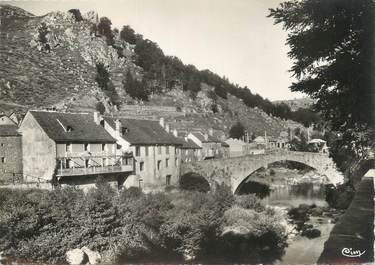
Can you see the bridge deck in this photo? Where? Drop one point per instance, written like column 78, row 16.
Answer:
column 355, row 229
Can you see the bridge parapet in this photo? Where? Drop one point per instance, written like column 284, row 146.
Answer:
column 233, row 171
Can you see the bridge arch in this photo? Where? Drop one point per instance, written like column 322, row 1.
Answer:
column 233, row 171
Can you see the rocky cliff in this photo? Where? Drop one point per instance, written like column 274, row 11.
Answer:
column 50, row 61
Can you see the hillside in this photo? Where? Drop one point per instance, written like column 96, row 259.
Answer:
column 52, row 61
column 298, row 103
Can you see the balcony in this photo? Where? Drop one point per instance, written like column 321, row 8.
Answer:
column 81, row 171
column 94, row 165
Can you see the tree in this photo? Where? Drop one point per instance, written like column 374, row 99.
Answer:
column 136, row 89
column 128, row 34
column 237, row 131
column 332, row 47
column 42, row 37
column 104, row 29
column 102, row 76
column 100, row 107
column 76, row 14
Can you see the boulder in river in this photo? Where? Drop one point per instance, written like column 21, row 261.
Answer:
column 93, row 256
column 76, row 257
column 311, row 233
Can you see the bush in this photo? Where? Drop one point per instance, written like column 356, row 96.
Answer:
column 194, row 182
column 259, row 234
column 76, row 14
column 341, row 196
column 250, row 201
column 132, row 226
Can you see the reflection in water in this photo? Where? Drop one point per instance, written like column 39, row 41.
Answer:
column 294, row 195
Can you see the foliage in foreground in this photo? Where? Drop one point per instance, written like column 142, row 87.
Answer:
column 133, row 226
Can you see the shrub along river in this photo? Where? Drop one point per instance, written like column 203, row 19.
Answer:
column 304, row 191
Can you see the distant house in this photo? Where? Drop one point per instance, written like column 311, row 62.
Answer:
column 236, row 147
column 16, row 117
column 70, row 148
column 225, row 150
column 190, row 151
column 211, row 146
column 241, row 148
column 5, row 120
column 156, row 151
column 10, row 153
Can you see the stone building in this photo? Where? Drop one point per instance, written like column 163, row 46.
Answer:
column 10, row 153
column 190, row 151
column 70, row 148
column 156, row 151
column 211, row 146
column 5, row 120
column 236, row 147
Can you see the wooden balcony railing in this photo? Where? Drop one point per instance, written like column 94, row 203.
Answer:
column 81, row 171
column 94, row 165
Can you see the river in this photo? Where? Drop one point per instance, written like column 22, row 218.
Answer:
column 300, row 249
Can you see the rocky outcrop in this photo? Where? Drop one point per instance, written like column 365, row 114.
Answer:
column 93, row 256
column 76, row 257
column 82, row 256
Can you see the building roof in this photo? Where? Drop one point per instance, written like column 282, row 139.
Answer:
column 189, row 144
column 8, row 130
column 71, row 127
column 144, row 132
column 224, row 144
column 201, row 137
column 259, row 139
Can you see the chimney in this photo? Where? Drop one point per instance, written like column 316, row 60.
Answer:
column 118, row 127
column 175, row 133
column 97, row 117
column 206, row 136
column 167, row 127
column 211, row 132
column 186, row 139
column 161, row 122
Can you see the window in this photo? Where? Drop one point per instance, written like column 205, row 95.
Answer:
column 146, row 150
column 3, row 160
column 141, row 166
column 167, row 150
column 137, row 151
column 159, row 150
column 104, row 147
column 168, row 180
column 68, row 148
column 86, row 147
column 159, row 164
column 176, row 161
column 166, row 162
column 68, row 163
column 124, row 130
column 1, row 144
column 176, row 151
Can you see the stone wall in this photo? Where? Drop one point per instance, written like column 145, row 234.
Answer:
column 233, row 171
column 38, row 152
column 10, row 158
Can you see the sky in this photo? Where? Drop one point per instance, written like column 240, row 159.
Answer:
column 233, row 38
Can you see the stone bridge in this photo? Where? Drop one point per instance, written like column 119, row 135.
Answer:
column 233, row 171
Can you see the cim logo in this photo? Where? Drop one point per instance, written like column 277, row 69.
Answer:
column 349, row 252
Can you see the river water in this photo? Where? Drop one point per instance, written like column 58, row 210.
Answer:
column 301, row 250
